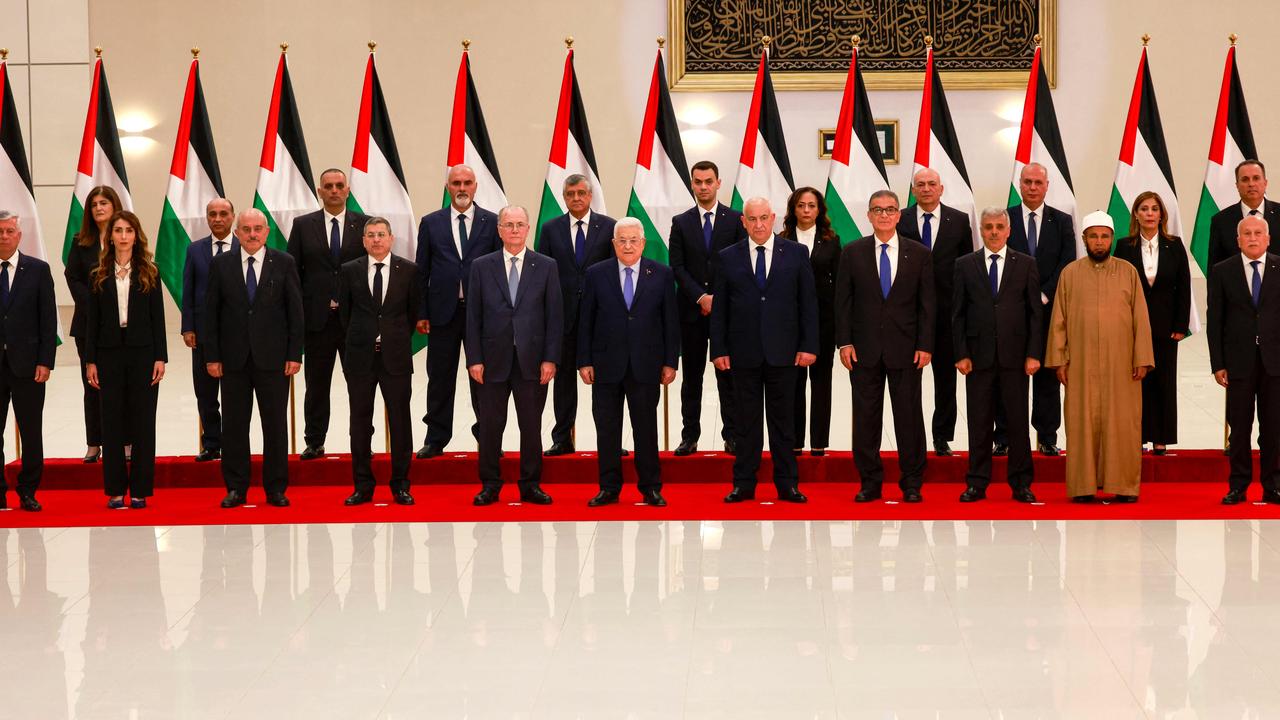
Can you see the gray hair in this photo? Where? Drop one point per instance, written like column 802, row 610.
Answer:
column 8, row 215
column 756, row 201
column 628, row 222
column 994, row 211
column 576, row 179
column 375, row 220
column 510, row 208
column 249, row 212
column 1239, row 225
column 882, row 194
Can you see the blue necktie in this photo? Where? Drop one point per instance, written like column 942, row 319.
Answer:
column 377, row 284
column 1033, row 235
column 628, row 288
column 579, row 246
column 462, row 233
column 4, row 284
column 994, row 275
column 927, row 233
column 335, row 239
column 886, row 272
column 706, row 230
column 513, row 281
column 251, row 281
column 760, row 276
column 1257, row 283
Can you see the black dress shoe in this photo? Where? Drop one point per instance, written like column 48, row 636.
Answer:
column 731, row 447
column 1125, row 499
column 1271, row 497
column 817, row 452
column 4, row 503
column 535, row 496
column 942, row 448
column 1000, row 450
column 313, row 452
column 911, row 496
column 1082, row 499
column 207, row 455
column 234, row 498
column 1024, row 495
column 1048, row 450
column 429, row 450
column 137, row 503
column 653, row 498
column 277, row 500
column 28, row 503
column 560, row 448
column 115, row 503
column 487, row 496
column 738, row 495
column 866, row 496
column 1159, row 451
column 1234, row 497
column 401, row 497
column 792, row 495
column 973, row 494
column 357, row 498
column 604, row 497
column 687, row 447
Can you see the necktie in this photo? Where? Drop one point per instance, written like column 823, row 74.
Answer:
column 1033, row 235
column 706, row 230
column 579, row 246
column 994, row 275
column 628, row 288
column 462, row 233
column 251, row 281
column 1253, row 212
column 4, row 283
column 886, row 271
column 927, row 233
column 220, row 244
column 335, row 239
column 760, row 276
column 1257, row 283
column 377, row 284
column 513, row 280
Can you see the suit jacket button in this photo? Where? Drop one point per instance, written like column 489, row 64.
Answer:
column 250, row 312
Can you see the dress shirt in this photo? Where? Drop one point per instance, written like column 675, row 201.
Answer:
column 807, row 237
column 506, row 263
column 328, row 226
column 768, row 253
column 470, row 214
column 702, row 215
column 1262, row 209
column 893, row 257
column 386, row 276
column 226, row 244
column 622, row 274
column 122, row 291
column 258, row 259
column 1248, row 270
column 936, row 212
column 573, row 226
column 986, row 263
column 1026, row 221
column 1150, row 256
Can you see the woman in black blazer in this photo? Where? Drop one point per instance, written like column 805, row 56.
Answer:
column 807, row 223
column 125, row 354
column 1161, row 261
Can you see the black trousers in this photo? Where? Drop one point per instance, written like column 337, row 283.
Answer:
column 819, row 375
column 92, row 404
column 396, row 392
column 206, row 387
column 443, row 351
column 868, row 420
column 322, row 348
column 27, row 396
column 1046, row 402
column 765, row 395
column 694, row 338
column 943, row 366
column 124, row 374
column 564, row 394
column 272, row 390
column 530, row 399
column 987, row 391
column 642, row 404
column 1243, row 392
column 1160, row 395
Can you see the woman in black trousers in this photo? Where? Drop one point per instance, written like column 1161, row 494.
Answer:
column 807, row 223
column 125, row 354
column 1161, row 261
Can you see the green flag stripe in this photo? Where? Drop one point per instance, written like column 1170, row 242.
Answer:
column 736, row 203
column 1119, row 212
column 550, row 208
column 841, row 219
column 74, row 218
column 276, row 240
column 171, row 251
column 654, row 247
column 1200, row 236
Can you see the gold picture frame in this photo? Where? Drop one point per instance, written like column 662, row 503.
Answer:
column 886, row 130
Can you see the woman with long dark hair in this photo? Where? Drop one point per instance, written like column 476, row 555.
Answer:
column 125, row 355
column 807, row 223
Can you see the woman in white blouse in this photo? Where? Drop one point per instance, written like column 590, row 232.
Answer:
column 1161, row 261
column 125, row 357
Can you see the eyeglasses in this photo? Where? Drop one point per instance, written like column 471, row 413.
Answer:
column 514, row 226
column 378, row 234
column 628, row 241
column 883, row 211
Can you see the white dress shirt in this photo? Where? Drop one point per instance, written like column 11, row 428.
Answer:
column 1262, row 209
column 226, row 241
column 1248, row 270
column 1004, row 258
column 768, row 254
column 122, row 291
column 702, row 215
column 1026, row 221
column 933, row 224
column 328, row 226
column 806, row 237
column 258, row 259
column 893, row 257
column 622, row 276
column 506, row 263
column 470, row 215
column 386, row 277
column 1150, row 256
column 573, row 227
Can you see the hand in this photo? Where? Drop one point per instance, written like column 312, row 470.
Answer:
column 476, row 372
column 1140, row 372
column 424, row 327
column 1031, row 366
column 190, row 339
column 704, row 303
column 1221, row 377
column 922, row 359
column 668, row 375
column 157, row 372
column 721, row 363
column 1177, row 337
column 965, row 366
column 588, row 374
column 42, row 373
column 91, row 374
column 214, row 369
column 1062, row 375
column 804, row 359
column 548, row 371
column 848, row 356
column 291, row 368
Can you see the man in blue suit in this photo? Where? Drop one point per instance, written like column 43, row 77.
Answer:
column 448, row 241
column 764, row 325
column 515, row 330
column 220, row 215
column 628, row 347
column 576, row 241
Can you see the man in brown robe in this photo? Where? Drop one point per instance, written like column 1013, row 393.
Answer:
column 1100, row 345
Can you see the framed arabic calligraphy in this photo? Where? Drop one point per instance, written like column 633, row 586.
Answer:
column 978, row 44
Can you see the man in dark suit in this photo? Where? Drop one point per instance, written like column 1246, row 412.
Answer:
column 1244, row 352
column 998, row 337
column 628, row 347
column 697, row 237
column 1251, row 184
column 320, row 243
column 515, row 327
column 254, row 333
column 884, row 331
column 947, row 234
column 764, row 325
column 1047, row 234
column 378, row 304
column 576, row 241
column 449, row 240
column 28, row 340
column 221, row 216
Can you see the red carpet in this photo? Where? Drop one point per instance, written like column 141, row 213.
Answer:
column 1187, row 485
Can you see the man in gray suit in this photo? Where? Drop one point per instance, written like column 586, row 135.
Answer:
column 515, row 326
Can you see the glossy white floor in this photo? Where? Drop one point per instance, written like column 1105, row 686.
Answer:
column 643, row 620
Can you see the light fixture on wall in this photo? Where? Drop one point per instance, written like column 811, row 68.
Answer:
column 133, row 126
column 699, row 114
column 1010, row 112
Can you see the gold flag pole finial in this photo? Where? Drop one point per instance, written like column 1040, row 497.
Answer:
column 466, row 44
column 195, row 53
column 1145, row 39
column 568, row 42
column 1038, row 39
column 661, row 42
column 1233, row 37
column 97, row 52
column 4, row 54
column 857, row 40
column 372, row 45
column 766, row 41
column 928, row 41
column 284, row 47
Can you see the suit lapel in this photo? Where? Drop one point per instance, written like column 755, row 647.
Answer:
column 364, row 276
column 502, row 278
column 15, row 275
column 526, row 273
column 643, row 279
column 447, row 233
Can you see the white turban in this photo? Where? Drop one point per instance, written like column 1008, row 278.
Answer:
column 1097, row 218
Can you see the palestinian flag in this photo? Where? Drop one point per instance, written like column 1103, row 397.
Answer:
column 857, row 167
column 377, row 177
column 469, row 141
column 571, row 152
column 100, row 162
column 660, row 189
column 938, row 148
column 1039, row 141
column 764, row 170
column 1231, row 144
column 194, row 181
column 285, row 190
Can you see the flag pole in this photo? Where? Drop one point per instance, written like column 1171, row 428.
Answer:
column 1226, row 426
